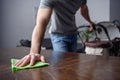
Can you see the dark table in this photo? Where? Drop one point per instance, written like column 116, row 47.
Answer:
column 63, row 66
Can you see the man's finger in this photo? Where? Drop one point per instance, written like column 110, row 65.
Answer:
column 42, row 58
column 20, row 61
column 26, row 61
column 32, row 60
column 91, row 29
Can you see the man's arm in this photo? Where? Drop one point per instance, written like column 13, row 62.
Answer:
column 43, row 18
column 85, row 13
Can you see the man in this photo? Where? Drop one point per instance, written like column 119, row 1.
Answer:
column 63, row 30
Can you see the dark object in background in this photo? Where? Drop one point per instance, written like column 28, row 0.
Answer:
column 116, row 47
column 25, row 43
column 80, row 48
column 46, row 44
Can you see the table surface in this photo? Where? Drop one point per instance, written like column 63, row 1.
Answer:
column 63, row 66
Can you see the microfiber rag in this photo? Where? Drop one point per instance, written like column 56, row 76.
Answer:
column 36, row 65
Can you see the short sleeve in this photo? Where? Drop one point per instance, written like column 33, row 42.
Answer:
column 84, row 2
column 46, row 4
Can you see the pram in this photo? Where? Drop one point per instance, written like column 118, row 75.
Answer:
column 97, row 42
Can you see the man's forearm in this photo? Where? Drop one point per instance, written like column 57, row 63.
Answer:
column 85, row 13
column 42, row 20
column 37, row 37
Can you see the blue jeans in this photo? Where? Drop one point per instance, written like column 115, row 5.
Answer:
column 64, row 43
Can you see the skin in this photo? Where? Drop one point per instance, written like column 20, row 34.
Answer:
column 43, row 18
column 85, row 13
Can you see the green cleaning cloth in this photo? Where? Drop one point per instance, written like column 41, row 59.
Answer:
column 36, row 65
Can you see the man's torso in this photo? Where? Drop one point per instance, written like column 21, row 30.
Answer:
column 63, row 16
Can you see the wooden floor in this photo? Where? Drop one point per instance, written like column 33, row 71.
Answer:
column 63, row 66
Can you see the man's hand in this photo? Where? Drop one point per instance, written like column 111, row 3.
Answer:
column 85, row 13
column 92, row 25
column 30, row 59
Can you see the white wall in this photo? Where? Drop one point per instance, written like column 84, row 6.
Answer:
column 18, row 21
column 98, row 10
